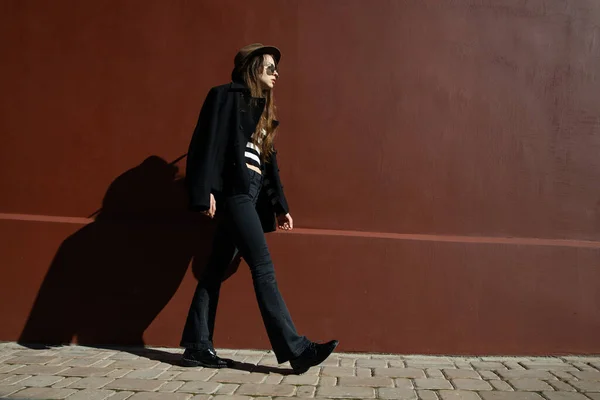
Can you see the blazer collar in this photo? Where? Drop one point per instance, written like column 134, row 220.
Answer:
column 236, row 86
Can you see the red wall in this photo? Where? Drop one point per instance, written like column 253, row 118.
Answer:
column 440, row 158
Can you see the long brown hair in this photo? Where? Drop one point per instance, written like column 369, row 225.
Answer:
column 250, row 76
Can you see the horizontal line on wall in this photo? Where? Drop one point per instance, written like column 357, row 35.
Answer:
column 46, row 218
column 361, row 234
column 451, row 238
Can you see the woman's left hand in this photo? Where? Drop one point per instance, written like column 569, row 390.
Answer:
column 285, row 222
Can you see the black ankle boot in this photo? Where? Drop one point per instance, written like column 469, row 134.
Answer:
column 204, row 358
column 314, row 354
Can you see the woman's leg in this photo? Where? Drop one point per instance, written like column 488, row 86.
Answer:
column 199, row 327
column 248, row 236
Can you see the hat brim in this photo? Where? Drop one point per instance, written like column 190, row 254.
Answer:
column 274, row 51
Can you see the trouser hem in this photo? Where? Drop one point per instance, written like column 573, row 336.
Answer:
column 294, row 353
column 197, row 346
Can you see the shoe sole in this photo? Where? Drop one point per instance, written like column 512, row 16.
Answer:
column 193, row 363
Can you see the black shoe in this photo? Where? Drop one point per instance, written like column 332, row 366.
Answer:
column 204, row 358
column 314, row 354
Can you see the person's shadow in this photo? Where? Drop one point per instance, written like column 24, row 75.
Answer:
column 109, row 280
column 175, row 359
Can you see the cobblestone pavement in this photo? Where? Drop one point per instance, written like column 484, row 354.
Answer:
column 77, row 372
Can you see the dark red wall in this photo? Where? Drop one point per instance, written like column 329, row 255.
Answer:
column 440, row 158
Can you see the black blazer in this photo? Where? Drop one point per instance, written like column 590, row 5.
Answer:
column 216, row 162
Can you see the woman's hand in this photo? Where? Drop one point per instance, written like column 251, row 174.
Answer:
column 213, row 207
column 285, row 222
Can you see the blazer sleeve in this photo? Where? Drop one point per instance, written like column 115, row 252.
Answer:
column 279, row 201
column 202, row 159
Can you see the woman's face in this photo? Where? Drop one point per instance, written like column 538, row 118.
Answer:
column 268, row 73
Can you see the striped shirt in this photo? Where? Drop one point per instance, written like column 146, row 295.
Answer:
column 252, row 154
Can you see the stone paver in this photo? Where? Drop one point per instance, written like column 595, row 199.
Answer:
column 82, row 373
column 85, row 372
column 365, row 382
column 561, row 386
column 171, row 386
column 340, row 392
column 135, row 384
column 488, row 365
column 42, row 393
column 201, row 375
column 169, row 375
column 38, row 370
column 118, row 373
column 587, row 375
column 530, row 384
column 145, row 374
column 428, row 364
column 301, row 380
column 328, row 381
column 30, row 360
column 103, row 363
column 124, row 395
column 134, row 364
column 66, row 382
column 41, row 380
column 92, row 394
column 347, row 362
column 199, row 387
column 424, row 394
column 371, row 363
column 14, row 379
column 510, row 396
column 501, row 385
column 338, row 371
column 462, row 374
column 6, row 390
column 404, row 394
column 275, row 379
column 403, row 383
column 564, row 396
column 471, row 384
column 399, row 372
column 306, row 391
column 432, row 383
column 521, row 374
column 488, row 375
column 74, row 362
column 586, row 386
column 434, row 373
column 160, row 396
column 254, row 390
column 335, row 362
column 227, row 377
column 95, row 382
column 458, row 395
column 514, row 365
column 4, row 368
column 227, row 388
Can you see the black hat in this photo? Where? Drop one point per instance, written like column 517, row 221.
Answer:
column 246, row 53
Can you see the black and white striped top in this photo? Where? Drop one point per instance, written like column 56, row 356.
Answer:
column 252, row 154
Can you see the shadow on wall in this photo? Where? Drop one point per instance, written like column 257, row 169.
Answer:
column 109, row 280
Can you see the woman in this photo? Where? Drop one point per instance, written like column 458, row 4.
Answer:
column 232, row 164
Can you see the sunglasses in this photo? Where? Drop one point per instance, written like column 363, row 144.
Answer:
column 271, row 69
